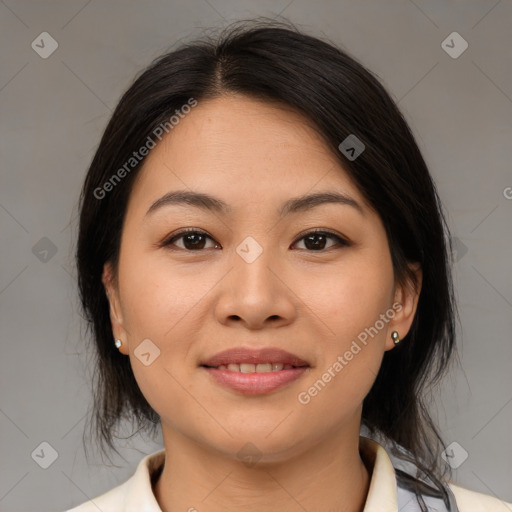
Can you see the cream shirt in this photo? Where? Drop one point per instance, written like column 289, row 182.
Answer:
column 384, row 495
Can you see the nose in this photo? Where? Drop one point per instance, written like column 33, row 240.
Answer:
column 256, row 294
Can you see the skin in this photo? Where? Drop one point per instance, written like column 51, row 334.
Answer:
column 195, row 303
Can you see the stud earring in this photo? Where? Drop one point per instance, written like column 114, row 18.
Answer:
column 396, row 338
column 118, row 343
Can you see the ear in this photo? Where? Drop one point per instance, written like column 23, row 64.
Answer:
column 116, row 317
column 405, row 304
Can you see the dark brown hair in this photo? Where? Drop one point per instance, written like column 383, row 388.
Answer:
column 276, row 62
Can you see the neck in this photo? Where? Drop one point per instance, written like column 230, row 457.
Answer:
column 329, row 476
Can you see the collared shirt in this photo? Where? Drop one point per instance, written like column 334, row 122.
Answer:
column 384, row 493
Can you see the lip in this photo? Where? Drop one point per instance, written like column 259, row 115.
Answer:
column 254, row 383
column 255, row 356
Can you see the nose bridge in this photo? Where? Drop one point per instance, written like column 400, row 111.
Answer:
column 252, row 261
column 253, row 291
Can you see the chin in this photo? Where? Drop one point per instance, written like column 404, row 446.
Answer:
column 267, row 444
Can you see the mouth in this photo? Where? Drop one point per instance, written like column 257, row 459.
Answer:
column 254, row 372
column 254, row 368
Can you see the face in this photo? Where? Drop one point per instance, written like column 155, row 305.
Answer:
column 310, row 280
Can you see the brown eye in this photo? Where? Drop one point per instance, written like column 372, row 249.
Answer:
column 317, row 240
column 195, row 240
column 192, row 240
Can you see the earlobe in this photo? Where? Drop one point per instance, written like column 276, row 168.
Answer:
column 407, row 297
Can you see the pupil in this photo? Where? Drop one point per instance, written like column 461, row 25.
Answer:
column 312, row 242
column 196, row 242
column 315, row 245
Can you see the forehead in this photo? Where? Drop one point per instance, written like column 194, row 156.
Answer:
column 242, row 147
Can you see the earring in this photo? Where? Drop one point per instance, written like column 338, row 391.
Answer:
column 396, row 338
column 118, row 343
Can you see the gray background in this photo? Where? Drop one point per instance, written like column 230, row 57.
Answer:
column 52, row 114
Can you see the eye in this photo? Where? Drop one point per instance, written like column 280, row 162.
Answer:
column 193, row 240
column 196, row 240
column 316, row 240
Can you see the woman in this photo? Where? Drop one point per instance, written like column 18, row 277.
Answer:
column 262, row 259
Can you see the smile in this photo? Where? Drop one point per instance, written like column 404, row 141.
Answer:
column 252, row 371
column 255, row 368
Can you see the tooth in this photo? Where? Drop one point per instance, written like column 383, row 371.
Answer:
column 263, row 367
column 255, row 368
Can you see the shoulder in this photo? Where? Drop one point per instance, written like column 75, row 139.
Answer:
column 136, row 493
column 110, row 500
column 472, row 501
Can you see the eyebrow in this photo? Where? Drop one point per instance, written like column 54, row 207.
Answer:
column 209, row 203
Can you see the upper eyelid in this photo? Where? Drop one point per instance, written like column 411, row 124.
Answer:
column 320, row 231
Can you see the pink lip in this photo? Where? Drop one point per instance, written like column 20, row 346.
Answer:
column 254, row 356
column 254, row 383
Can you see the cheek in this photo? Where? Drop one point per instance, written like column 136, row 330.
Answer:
column 158, row 295
column 350, row 304
column 350, row 298
column 162, row 303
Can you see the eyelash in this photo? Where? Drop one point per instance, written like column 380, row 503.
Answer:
column 169, row 241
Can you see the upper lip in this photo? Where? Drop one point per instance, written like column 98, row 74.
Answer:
column 255, row 356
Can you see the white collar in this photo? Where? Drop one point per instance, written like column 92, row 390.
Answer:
column 384, row 495
column 136, row 493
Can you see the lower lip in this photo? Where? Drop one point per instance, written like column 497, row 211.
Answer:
column 255, row 383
